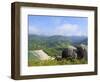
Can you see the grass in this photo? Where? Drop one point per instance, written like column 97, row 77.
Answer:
column 55, row 62
column 52, row 51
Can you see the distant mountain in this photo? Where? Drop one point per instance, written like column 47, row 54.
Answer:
column 85, row 41
column 55, row 41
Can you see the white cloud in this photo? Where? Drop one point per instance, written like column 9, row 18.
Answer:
column 33, row 30
column 69, row 30
column 64, row 30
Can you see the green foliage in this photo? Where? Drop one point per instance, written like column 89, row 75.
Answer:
column 53, row 46
column 42, row 42
column 52, row 51
column 55, row 62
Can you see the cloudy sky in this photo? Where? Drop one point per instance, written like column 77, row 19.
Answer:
column 57, row 25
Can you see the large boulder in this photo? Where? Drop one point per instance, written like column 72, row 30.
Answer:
column 38, row 55
column 69, row 52
column 82, row 51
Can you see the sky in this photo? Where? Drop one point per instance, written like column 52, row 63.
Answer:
column 57, row 25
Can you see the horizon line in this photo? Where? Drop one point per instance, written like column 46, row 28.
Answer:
column 57, row 35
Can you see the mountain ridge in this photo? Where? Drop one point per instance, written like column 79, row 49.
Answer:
column 55, row 41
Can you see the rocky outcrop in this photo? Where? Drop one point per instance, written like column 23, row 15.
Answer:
column 82, row 51
column 69, row 52
column 39, row 55
column 79, row 52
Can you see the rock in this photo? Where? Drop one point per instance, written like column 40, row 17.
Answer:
column 58, row 58
column 69, row 52
column 39, row 55
column 74, row 54
column 82, row 51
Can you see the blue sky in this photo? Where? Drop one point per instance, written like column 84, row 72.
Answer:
column 58, row 25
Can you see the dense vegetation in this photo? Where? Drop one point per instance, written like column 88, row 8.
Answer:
column 53, row 46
